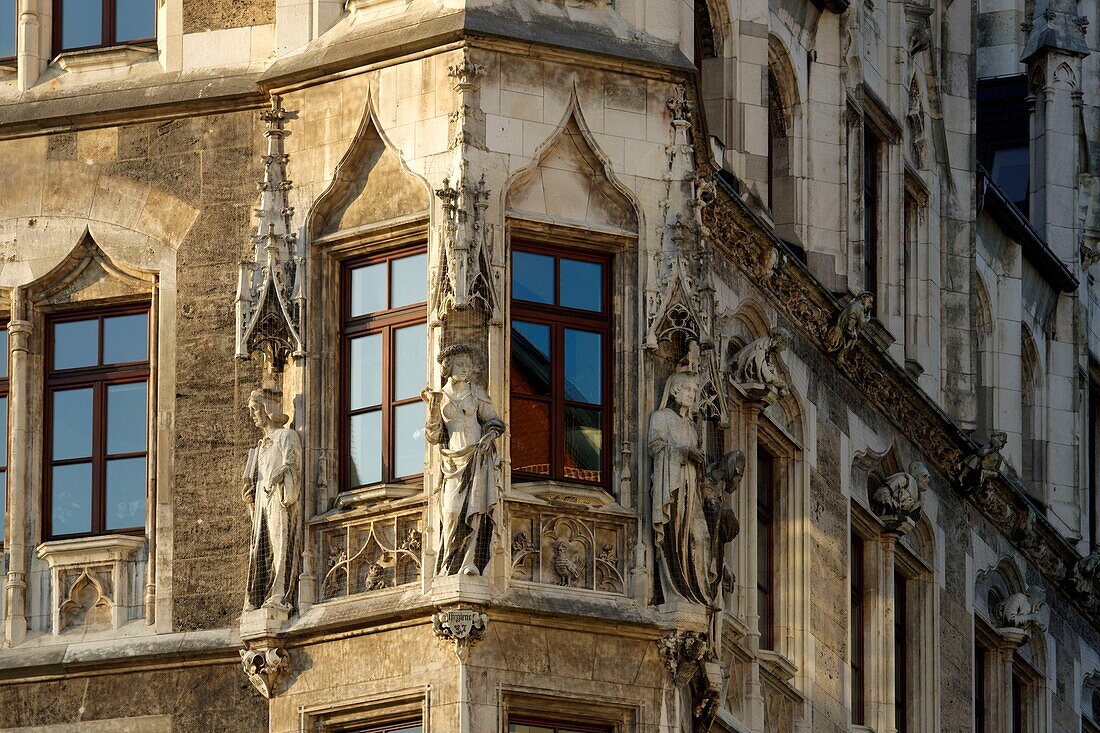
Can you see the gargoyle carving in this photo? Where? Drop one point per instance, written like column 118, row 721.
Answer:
column 754, row 368
column 900, row 498
column 1023, row 611
column 267, row 668
column 979, row 468
column 849, row 324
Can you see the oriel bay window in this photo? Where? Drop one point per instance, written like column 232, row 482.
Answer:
column 80, row 24
column 384, row 353
column 560, row 375
column 97, row 393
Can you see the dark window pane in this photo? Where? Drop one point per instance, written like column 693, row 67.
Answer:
column 126, row 418
column 4, row 354
column 72, row 424
column 125, row 493
column 409, row 281
column 75, row 344
column 368, row 289
column 3, row 432
column 7, row 36
column 581, row 285
column 530, row 436
column 583, row 366
column 3, row 501
column 530, row 358
column 532, row 277
column 126, row 338
column 410, row 361
column 408, row 439
column 1011, row 169
column 71, row 499
column 409, row 729
column 366, row 371
column 583, row 443
column 135, row 20
column 366, row 449
column 81, row 23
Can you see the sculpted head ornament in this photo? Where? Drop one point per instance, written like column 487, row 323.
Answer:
column 269, row 403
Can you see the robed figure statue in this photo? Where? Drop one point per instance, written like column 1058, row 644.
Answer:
column 272, row 488
column 683, row 538
column 464, row 424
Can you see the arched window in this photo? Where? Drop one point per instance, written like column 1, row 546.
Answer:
column 782, row 193
column 1031, row 462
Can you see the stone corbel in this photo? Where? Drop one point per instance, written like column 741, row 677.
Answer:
column 463, row 626
column 267, row 665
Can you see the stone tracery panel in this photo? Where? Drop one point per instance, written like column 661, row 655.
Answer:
column 368, row 553
column 551, row 547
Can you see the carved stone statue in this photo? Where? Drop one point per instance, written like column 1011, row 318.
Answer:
column 463, row 422
column 845, row 332
column 1023, row 610
column 272, row 488
column 984, row 465
column 901, row 496
column 1085, row 578
column 754, row 369
column 723, row 478
column 688, row 541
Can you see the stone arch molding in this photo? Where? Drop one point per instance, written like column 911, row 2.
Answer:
column 371, row 184
column 88, row 273
column 571, row 174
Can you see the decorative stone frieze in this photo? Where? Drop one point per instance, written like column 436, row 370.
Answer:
column 570, row 548
column 463, row 422
column 754, row 368
column 849, row 324
column 271, row 293
column 899, row 500
column 271, row 486
column 89, row 581
column 267, row 666
column 385, row 552
column 465, row 627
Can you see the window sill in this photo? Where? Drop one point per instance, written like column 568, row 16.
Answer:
column 104, row 57
column 84, row 550
column 374, row 494
column 89, row 581
column 563, row 494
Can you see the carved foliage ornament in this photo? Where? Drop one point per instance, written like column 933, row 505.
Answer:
column 271, row 295
column 267, row 668
column 685, row 656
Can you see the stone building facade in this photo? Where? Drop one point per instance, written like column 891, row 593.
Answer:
column 579, row 365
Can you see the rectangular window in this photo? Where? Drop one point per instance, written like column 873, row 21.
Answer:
column 901, row 653
column 858, row 640
column 393, row 728
column 1093, row 465
column 3, row 430
column 1018, row 687
column 872, row 153
column 535, row 726
column 385, row 341
column 82, row 24
column 765, row 547
column 9, row 23
column 97, row 395
column 980, row 661
column 1003, row 135
column 561, row 366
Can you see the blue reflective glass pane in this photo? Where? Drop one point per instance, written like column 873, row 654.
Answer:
column 409, row 729
column 532, row 277
column 3, row 501
column 583, row 366
column 3, row 432
column 135, row 20
column 126, row 493
column 411, row 357
column 409, row 281
column 583, row 443
column 368, row 289
column 71, row 499
column 81, row 23
column 126, row 418
column 72, row 424
column 8, row 21
column 366, row 371
column 408, row 439
column 4, row 354
column 126, row 338
column 365, row 439
column 76, row 344
column 530, row 358
column 581, row 285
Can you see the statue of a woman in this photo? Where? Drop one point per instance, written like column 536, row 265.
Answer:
column 463, row 422
column 679, row 520
column 272, row 488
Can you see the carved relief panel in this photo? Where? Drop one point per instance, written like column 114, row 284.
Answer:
column 369, row 553
column 571, row 550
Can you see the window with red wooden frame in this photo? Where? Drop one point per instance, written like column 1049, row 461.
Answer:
column 384, row 347
column 535, row 725
column 80, row 24
column 9, row 23
column 3, row 429
column 96, row 432
column 408, row 727
column 765, row 546
column 561, row 365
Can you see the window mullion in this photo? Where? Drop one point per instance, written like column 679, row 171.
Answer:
column 99, row 461
column 388, row 456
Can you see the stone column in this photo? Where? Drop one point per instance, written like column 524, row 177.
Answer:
column 32, row 41
column 15, row 625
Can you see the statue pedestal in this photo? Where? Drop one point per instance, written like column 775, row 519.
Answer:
column 263, row 622
column 684, row 615
column 451, row 589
